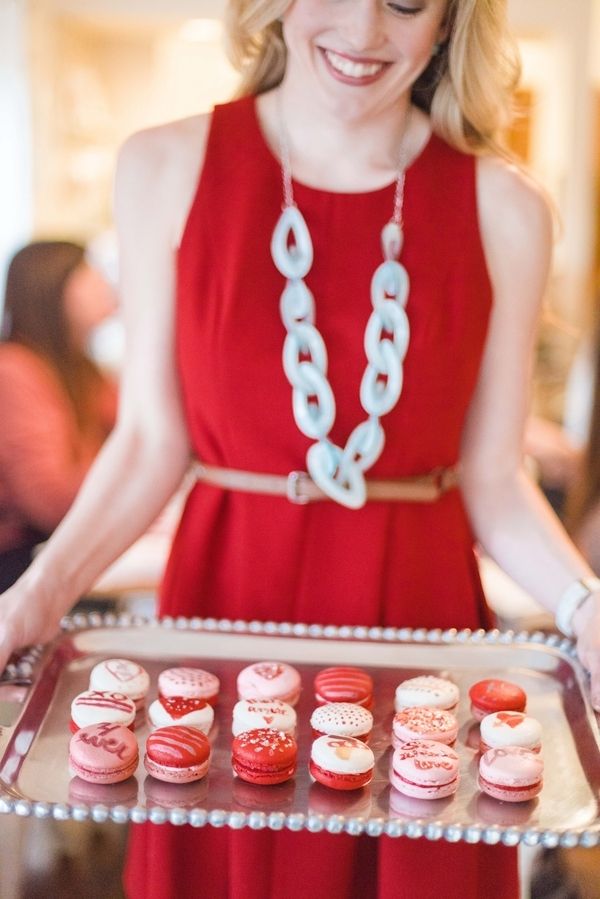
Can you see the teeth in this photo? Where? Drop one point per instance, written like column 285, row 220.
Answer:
column 352, row 69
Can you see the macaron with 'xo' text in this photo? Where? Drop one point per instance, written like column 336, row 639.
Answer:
column 343, row 683
column 164, row 712
column 512, row 774
column 494, row 695
column 342, row 763
column 427, row 690
column 189, row 683
column 102, row 707
column 425, row 769
column 504, row 729
column 177, row 754
column 424, row 723
column 269, row 680
column 275, row 714
column 103, row 753
column 122, row 676
column 342, row 719
column 264, row 756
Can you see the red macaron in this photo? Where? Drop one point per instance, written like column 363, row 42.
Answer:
column 344, row 684
column 264, row 756
column 177, row 754
column 494, row 695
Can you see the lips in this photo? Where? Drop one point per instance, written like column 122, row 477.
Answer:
column 353, row 70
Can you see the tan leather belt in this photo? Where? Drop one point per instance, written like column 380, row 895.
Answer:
column 300, row 488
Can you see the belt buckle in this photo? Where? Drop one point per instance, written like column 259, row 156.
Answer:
column 294, row 480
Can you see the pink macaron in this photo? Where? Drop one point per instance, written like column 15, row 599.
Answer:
column 512, row 774
column 164, row 712
column 425, row 769
column 269, row 680
column 424, row 723
column 342, row 763
column 103, row 753
column 342, row 719
column 189, row 683
column 102, row 707
column 177, row 754
column 504, row 729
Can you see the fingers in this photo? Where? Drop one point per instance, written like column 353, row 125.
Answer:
column 589, row 656
column 8, row 642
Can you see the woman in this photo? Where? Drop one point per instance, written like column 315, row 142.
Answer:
column 56, row 407
column 327, row 123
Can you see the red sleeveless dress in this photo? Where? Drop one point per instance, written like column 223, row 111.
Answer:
column 253, row 556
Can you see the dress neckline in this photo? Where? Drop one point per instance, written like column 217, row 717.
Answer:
column 302, row 187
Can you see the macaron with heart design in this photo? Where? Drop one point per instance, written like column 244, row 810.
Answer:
column 122, row 676
column 190, row 683
column 342, row 763
column 164, row 712
column 177, row 754
column 512, row 774
column 102, row 706
column 250, row 714
column 503, row 729
column 269, row 680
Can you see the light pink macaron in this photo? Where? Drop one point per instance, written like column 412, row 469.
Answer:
column 269, row 680
column 122, row 676
column 512, row 774
column 250, row 714
column 103, row 753
column 424, row 723
column 427, row 690
column 177, row 754
column 190, row 683
column 425, row 769
column 510, row 729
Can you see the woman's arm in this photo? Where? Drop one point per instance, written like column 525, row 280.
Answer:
column 144, row 459
column 509, row 514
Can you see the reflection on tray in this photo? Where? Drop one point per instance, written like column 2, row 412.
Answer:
column 402, row 806
column 123, row 793
column 169, row 796
column 277, row 797
column 354, row 803
column 504, row 814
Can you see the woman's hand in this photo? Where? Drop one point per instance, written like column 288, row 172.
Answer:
column 27, row 617
column 586, row 624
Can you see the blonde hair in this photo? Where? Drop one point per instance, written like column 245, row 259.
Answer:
column 467, row 88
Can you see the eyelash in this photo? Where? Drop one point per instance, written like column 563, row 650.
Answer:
column 407, row 11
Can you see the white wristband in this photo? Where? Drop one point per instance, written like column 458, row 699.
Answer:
column 571, row 600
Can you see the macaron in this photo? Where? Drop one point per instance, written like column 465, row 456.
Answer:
column 249, row 714
column 269, row 680
column 342, row 763
column 102, row 707
column 342, row 719
column 177, row 754
column 264, row 756
column 503, row 729
column 425, row 769
column 512, row 774
column 493, row 695
column 121, row 676
column 344, row 684
column 424, row 723
column 178, row 710
column 103, row 753
column 189, row 683
column 427, row 690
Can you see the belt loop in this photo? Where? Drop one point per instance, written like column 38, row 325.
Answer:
column 294, row 480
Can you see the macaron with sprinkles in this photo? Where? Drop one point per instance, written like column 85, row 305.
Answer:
column 264, row 756
column 424, row 723
column 342, row 719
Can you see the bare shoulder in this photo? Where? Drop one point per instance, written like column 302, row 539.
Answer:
column 515, row 213
column 158, row 170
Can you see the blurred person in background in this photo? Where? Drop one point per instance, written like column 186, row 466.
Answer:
column 56, row 406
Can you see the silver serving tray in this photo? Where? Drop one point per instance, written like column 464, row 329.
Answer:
column 35, row 697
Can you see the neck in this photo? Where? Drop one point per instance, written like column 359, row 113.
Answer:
column 336, row 149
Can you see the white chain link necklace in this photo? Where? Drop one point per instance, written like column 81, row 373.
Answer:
column 339, row 471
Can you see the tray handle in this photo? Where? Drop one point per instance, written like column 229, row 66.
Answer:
column 20, row 669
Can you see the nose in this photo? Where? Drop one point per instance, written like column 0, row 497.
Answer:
column 364, row 29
